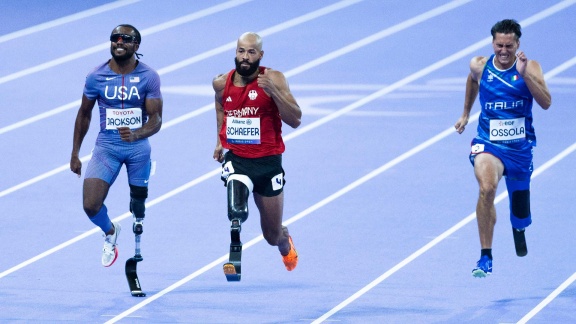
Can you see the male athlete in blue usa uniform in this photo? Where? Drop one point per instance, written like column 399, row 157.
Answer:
column 508, row 83
column 130, row 105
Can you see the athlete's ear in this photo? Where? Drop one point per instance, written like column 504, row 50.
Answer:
column 136, row 46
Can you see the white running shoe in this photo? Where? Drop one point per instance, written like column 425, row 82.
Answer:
column 110, row 251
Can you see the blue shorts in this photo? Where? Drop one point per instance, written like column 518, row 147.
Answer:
column 517, row 159
column 107, row 160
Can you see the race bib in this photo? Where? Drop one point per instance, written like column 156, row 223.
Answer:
column 130, row 117
column 507, row 129
column 242, row 130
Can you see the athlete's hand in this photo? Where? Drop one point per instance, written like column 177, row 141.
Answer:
column 126, row 134
column 522, row 62
column 76, row 165
column 461, row 124
column 218, row 154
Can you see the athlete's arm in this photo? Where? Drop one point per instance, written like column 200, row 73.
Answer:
column 531, row 71
column 218, row 84
column 472, row 88
column 275, row 84
column 152, row 126
column 80, row 129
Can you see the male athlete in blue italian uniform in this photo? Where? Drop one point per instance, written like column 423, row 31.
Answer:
column 508, row 82
column 130, row 104
column 251, row 103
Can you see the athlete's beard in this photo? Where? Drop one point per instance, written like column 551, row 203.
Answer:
column 246, row 72
column 121, row 58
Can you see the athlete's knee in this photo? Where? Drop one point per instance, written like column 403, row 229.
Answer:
column 238, row 193
column 91, row 211
column 520, row 203
column 487, row 191
column 91, row 208
column 138, row 197
column 94, row 193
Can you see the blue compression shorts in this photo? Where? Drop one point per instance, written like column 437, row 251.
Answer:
column 107, row 160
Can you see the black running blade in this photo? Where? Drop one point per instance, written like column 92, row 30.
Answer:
column 232, row 271
column 132, row 277
column 520, row 243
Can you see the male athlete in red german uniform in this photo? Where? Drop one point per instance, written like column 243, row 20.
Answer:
column 251, row 103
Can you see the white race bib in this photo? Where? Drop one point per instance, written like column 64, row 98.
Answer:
column 242, row 130
column 129, row 117
column 507, row 129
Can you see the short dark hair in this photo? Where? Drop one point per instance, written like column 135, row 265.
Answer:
column 138, row 36
column 507, row 26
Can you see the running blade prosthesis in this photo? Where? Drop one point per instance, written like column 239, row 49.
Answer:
column 232, row 269
column 131, row 274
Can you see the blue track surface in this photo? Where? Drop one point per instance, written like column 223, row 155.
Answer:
column 380, row 195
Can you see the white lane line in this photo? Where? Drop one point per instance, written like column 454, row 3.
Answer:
column 308, row 210
column 290, row 73
column 548, row 299
column 65, row 20
column 292, row 219
column 386, row 32
column 46, row 114
column 179, row 65
column 126, row 215
column 266, row 32
column 106, row 45
column 163, row 197
column 434, row 242
column 543, row 14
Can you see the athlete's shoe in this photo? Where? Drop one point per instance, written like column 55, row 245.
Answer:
column 290, row 260
column 520, row 241
column 110, row 251
column 483, row 267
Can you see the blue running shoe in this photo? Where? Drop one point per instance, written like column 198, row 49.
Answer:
column 483, row 267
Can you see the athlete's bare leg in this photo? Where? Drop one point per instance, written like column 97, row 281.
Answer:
column 488, row 170
column 271, row 209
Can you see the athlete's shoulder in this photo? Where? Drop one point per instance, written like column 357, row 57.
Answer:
column 477, row 64
column 97, row 74
column 271, row 71
column 145, row 69
column 534, row 66
column 275, row 74
column 219, row 81
column 99, row 69
column 478, row 61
